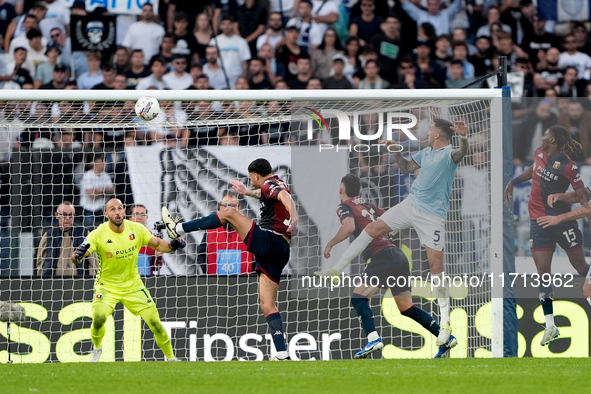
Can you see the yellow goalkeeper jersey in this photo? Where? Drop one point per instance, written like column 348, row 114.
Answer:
column 117, row 255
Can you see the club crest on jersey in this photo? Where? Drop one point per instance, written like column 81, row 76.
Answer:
column 109, row 255
column 131, row 236
column 556, row 164
column 98, row 296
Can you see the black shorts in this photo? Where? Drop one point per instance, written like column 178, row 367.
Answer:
column 271, row 252
column 388, row 265
column 566, row 234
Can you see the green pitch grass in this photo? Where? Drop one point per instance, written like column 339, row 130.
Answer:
column 499, row 376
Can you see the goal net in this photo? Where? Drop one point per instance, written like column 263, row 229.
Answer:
column 185, row 159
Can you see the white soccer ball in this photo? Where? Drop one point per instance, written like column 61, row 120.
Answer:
column 147, row 108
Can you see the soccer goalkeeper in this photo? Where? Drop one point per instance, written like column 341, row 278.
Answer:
column 117, row 244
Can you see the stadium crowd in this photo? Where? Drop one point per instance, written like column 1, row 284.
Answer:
column 279, row 44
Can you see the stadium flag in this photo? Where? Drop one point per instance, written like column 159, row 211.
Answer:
column 93, row 33
column 564, row 10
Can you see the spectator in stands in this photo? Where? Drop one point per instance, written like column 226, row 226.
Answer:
column 577, row 121
column 304, row 73
column 44, row 72
column 121, row 60
column 273, row 68
column 366, row 25
column 252, row 20
column 184, row 40
column 234, row 49
column 281, row 84
column 460, row 52
column 442, row 50
column 572, row 57
column 178, row 78
column 456, row 75
column 408, row 75
column 459, row 35
column 96, row 186
column 482, row 59
column 149, row 260
column 201, row 83
column 389, row 47
column 570, row 85
column 529, row 90
column 166, row 50
column 108, row 73
column 289, row 52
column 525, row 139
column 353, row 64
column 322, row 56
column 138, row 70
column 16, row 34
column 519, row 18
column 36, row 53
column 20, row 75
column 59, row 78
column 310, row 32
column 434, row 15
column 537, row 42
column 75, row 59
column 372, row 78
column 258, row 79
column 155, row 80
column 120, row 82
column 7, row 14
column 314, row 83
column 548, row 73
column 57, row 245
column 428, row 69
column 582, row 38
column 274, row 33
column 195, row 70
column 493, row 15
column 203, row 34
column 218, row 78
column 94, row 75
column 506, row 47
column 223, row 252
column 338, row 79
column 325, row 14
column 58, row 15
column 145, row 34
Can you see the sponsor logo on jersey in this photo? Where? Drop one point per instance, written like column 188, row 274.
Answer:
column 556, row 164
column 131, row 236
column 109, row 255
column 531, row 243
column 540, row 155
column 109, row 241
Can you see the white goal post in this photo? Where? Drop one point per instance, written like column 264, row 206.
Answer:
column 192, row 177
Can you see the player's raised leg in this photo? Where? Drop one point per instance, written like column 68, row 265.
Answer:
column 152, row 319
column 543, row 260
column 100, row 313
column 268, row 294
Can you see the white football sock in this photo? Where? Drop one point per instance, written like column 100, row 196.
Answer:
column 549, row 320
column 179, row 229
column 353, row 251
column 442, row 299
column 372, row 336
column 282, row 355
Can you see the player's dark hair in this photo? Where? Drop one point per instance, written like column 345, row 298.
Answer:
column 566, row 144
column 352, row 185
column 261, row 167
column 130, row 208
column 445, row 126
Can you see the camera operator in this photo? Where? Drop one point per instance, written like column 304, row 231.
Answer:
column 149, row 260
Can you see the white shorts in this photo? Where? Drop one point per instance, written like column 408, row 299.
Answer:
column 430, row 229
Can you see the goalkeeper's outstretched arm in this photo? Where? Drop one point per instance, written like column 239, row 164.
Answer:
column 166, row 247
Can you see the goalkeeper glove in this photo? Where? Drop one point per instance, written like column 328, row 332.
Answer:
column 175, row 244
column 81, row 251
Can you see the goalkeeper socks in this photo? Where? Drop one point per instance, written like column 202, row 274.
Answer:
column 97, row 335
column 546, row 301
column 353, row 251
column 442, row 298
column 276, row 329
column 163, row 341
column 361, row 305
column 423, row 318
column 205, row 223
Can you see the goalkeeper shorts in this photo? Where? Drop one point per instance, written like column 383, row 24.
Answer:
column 271, row 252
column 135, row 302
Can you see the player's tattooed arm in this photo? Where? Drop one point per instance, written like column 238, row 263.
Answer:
column 458, row 154
column 406, row 166
column 242, row 190
column 254, row 193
